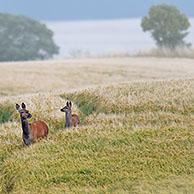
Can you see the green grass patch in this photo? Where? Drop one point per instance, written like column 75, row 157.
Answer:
column 6, row 113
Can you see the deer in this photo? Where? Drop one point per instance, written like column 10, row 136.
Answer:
column 31, row 131
column 71, row 119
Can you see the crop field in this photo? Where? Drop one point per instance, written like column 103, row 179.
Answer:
column 136, row 133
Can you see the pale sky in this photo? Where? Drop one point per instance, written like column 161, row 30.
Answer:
column 88, row 9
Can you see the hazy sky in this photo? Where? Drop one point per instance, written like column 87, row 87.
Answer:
column 87, row 9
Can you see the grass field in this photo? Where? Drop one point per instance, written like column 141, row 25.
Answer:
column 136, row 133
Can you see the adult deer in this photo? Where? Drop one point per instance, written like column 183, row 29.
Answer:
column 71, row 119
column 31, row 131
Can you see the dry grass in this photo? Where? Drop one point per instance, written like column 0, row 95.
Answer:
column 32, row 77
column 136, row 134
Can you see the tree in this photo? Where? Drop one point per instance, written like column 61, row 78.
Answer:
column 22, row 38
column 167, row 25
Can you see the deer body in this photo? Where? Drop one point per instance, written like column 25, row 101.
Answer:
column 31, row 131
column 38, row 129
column 75, row 120
column 71, row 119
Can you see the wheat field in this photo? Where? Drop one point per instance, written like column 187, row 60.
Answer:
column 136, row 133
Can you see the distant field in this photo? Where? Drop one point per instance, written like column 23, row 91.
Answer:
column 32, row 77
column 136, row 133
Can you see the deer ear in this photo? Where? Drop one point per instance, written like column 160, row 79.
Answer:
column 70, row 104
column 17, row 106
column 23, row 106
column 67, row 104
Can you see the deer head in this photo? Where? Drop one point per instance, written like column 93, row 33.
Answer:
column 67, row 108
column 24, row 113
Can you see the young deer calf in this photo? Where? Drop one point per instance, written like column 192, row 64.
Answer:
column 71, row 119
column 31, row 131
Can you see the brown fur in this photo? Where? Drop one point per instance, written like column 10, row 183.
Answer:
column 38, row 130
column 75, row 120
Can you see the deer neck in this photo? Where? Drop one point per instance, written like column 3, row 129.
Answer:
column 68, row 119
column 26, row 130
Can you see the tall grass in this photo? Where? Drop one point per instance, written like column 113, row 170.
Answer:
column 91, row 161
column 134, row 137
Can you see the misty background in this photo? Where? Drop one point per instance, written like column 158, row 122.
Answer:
column 96, row 27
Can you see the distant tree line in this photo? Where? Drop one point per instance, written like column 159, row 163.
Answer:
column 167, row 25
column 22, row 38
